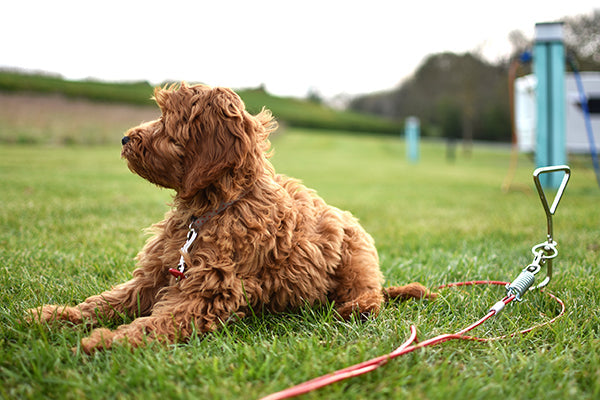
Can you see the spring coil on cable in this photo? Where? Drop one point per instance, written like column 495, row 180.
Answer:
column 519, row 286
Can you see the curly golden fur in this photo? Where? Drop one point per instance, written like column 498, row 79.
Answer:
column 277, row 247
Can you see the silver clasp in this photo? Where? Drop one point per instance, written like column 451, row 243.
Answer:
column 544, row 252
column 550, row 245
column 192, row 235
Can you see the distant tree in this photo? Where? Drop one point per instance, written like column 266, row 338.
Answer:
column 314, row 96
column 381, row 103
column 472, row 84
column 519, row 41
column 450, row 120
column 582, row 38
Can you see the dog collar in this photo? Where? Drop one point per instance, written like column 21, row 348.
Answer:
column 194, row 228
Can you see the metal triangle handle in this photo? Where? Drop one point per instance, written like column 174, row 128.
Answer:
column 536, row 178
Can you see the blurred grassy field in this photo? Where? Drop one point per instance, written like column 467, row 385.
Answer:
column 28, row 118
column 72, row 220
column 290, row 111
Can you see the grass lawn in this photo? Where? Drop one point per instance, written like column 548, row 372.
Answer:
column 72, row 220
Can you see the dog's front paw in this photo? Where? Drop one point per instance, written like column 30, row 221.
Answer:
column 53, row 313
column 103, row 339
column 100, row 339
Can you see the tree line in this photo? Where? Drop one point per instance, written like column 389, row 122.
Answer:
column 463, row 96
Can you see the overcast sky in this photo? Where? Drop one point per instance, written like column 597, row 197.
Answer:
column 334, row 47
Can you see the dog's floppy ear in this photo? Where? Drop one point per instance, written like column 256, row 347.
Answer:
column 222, row 149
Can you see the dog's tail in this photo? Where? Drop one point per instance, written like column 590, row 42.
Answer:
column 412, row 290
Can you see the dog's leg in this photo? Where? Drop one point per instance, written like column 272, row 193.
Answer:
column 181, row 312
column 165, row 326
column 161, row 327
column 369, row 302
column 358, row 277
column 132, row 298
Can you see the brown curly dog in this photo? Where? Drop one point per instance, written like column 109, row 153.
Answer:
column 238, row 235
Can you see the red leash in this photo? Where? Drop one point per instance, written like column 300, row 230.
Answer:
column 411, row 344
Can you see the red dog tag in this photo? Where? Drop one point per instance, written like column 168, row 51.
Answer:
column 176, row 273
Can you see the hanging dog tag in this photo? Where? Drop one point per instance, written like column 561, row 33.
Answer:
column 176, row 273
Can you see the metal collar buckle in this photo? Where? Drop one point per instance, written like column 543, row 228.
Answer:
column 179, row 273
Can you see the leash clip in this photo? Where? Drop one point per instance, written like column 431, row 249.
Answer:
column 550, row 245
column 544, row 252
column 525, row 280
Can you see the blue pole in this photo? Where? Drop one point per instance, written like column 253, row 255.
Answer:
column 412, row 133
column 549, row 69
column 586, row 116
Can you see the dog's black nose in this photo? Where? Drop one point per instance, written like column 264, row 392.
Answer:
column 125, row 140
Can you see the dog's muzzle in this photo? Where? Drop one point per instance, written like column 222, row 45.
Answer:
column 125, row 140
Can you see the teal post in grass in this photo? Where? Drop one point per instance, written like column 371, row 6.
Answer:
column 549, row 69
column 412, row 132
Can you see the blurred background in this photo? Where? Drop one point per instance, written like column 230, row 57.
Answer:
column 73, row 73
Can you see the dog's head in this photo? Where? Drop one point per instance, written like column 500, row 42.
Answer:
column 204, row 139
